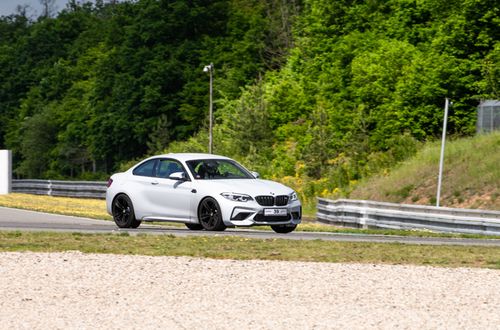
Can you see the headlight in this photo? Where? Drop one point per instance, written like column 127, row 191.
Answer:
column 293, row 197
column 237, row 197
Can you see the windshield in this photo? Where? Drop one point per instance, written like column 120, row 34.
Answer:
column 213, row 169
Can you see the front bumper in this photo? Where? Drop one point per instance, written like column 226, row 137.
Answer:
column 253, row 215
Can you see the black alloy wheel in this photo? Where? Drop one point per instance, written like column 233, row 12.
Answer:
column 123, row 212
column 210, row 216
column 283, row 229
column 194, row 226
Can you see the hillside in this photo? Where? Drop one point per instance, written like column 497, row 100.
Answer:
column 471, row 176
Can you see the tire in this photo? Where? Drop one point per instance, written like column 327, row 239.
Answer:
column 135, row 224
column 210, row 215
column 283, row 229
column 194, row 226
column 123, row 212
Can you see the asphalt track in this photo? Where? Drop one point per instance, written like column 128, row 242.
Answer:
column 23, row 220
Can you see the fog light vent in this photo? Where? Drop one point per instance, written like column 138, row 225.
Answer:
column 241, row 216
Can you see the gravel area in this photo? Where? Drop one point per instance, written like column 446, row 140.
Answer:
column 73, row 290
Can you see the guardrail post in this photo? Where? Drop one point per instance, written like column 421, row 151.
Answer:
column 5, row 172
column 364, row 216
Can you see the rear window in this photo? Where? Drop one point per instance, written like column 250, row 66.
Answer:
column 168, row 166
column 146, row 168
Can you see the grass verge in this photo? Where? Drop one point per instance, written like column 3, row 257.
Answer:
column 80, row 207
column 245, row 249
column 471, row 176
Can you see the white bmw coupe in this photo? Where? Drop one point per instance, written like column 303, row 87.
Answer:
column 203, row 191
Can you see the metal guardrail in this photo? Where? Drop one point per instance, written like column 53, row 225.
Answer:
column 81, row 189
column 370, row 214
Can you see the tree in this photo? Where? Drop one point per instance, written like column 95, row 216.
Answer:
column 38, row 137
column 490, row 85
column 48, row 8
column 159, row 137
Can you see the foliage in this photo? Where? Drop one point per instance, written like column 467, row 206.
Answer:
column 119, row 80
column 316, row 93
column 361, row 90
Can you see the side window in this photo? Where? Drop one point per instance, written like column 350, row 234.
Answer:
column 145, row 169
column 167, row 167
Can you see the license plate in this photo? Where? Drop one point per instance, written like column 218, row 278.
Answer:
column 275, row 212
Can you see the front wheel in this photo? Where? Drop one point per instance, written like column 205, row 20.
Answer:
column 123, row 212
column 210, row 215
column 135, row 224
column 283, row 229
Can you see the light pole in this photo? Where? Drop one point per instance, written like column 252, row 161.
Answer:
column 210, row 70
column 441, row 158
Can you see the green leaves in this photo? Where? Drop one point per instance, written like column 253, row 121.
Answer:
column 366, row 81
column 120, row 80
column 311, row 89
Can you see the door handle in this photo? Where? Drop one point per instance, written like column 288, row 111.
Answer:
column 154, row 183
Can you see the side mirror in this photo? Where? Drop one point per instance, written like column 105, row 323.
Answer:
column 178, row 176
column 255, row 174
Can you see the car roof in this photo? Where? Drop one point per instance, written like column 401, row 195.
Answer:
column 191, row 156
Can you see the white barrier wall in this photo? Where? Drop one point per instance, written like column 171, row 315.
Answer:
column 5, row 172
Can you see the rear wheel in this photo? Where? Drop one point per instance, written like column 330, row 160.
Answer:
column 210, row 216
column 123, row 212
column 194, row 226
column 283, row 229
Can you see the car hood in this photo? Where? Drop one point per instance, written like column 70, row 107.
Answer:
column 252, row 187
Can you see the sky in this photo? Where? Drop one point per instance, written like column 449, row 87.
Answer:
column 8, row 7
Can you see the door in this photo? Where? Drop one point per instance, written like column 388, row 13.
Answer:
column 139, row 185
column 170, row 199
